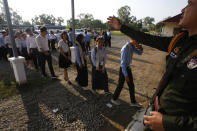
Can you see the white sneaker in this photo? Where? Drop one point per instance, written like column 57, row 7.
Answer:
column 116, row 102
column 136, row 104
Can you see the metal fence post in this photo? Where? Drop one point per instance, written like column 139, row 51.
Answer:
column 9, row 23
column 73, row 21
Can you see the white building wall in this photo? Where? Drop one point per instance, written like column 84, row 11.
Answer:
column 168, row 29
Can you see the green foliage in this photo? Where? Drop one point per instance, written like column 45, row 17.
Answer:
column 146, row 24
column 44, row 19
column 124, row 14
column 148, row 20
column 60, row 20
column 77, row 23
column 26, row 23
column 8, row 86
column 87, row 21
column 15, row 17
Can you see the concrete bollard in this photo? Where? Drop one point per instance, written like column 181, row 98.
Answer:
column 19, row 70
column 72, row 49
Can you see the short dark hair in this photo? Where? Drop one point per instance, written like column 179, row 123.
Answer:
column 79, row 38
column 43, row 29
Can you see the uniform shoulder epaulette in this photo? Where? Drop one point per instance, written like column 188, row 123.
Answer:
column 174, row 41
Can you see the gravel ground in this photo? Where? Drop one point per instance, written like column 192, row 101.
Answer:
column 78, row 109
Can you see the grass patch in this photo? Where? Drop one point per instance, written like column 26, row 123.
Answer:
column 8, row 88
column 117, row 33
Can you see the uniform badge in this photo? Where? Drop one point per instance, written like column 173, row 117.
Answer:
column 176, row 50
column 173, row 54
column 192, row 63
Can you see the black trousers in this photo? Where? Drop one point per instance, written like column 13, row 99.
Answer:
column 87, row 46
column 47, row 58
column 10, row 52
column 109, row 41
column 3, row 53
column 35, row 57
column 121, row 84
column 53, row 44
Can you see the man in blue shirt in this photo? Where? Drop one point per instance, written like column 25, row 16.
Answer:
column 3, row 49
column 70, row 37
column 125, row 72
column 87, row 41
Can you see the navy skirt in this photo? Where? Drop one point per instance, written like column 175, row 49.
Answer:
column 63, row 62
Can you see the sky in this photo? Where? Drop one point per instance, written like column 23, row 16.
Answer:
column 100, row 9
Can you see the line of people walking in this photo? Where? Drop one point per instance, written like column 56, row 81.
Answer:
column 36, row 48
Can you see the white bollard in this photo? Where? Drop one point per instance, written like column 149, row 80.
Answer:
column 72, row 49
column 19, row 70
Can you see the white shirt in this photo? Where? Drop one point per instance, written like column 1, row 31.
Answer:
column 52, row 37
column 7, row 41
column 63, row 45
column 31, row 42
column 42, row 42
column 18, row 42
column 58, row 36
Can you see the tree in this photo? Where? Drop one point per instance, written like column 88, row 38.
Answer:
column 36, row 21
column 86, row 16
column 124, row 14
column 158, row 28
column 44, row 19
column 60, row 20
column 15, row 17
column 26, row 23
column 77, row 23
column 148, row 20
column 97, row 24
column 2, row 19
column 85, row 20
column 139, row 23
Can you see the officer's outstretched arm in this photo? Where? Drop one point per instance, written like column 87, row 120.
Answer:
column 158, row 42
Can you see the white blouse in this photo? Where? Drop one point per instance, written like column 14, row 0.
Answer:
column 63, row 45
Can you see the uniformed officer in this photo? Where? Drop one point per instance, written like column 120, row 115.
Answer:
column 175, row 102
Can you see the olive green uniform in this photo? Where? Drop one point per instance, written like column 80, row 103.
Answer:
column 178, row 100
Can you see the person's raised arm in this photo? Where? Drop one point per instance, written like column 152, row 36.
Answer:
column 158, row 42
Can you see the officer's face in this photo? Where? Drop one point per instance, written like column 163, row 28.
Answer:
column 189, row 17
